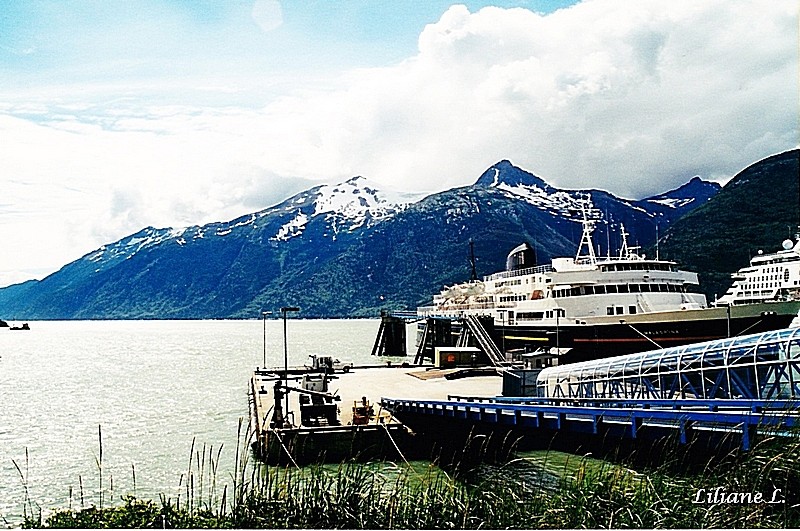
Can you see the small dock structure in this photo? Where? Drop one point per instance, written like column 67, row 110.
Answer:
column 391, row 338
column 362, row 427
column 464, row 331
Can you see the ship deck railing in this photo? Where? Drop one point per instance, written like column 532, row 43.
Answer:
column 519, row 272
column 458, row 309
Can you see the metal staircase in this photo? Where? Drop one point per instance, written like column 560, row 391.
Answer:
column 483, row 339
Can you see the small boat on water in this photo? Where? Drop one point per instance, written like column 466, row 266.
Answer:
column 588, row 306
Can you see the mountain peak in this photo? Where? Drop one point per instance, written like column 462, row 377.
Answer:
column 695, row 191
column 505, row 173
column 356, row 179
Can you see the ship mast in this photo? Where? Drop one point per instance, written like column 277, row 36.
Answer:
column 586, row 237
column 626, row 252
column 623, row 251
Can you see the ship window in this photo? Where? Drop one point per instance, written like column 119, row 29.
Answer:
column 611, row 288
column 645, row 288
column 610, row 310
column 635, row 288
column 786, row 276
column 589, row 290
column 631, row 310
column 600, row 290
column 620, row 310
column 623, row 288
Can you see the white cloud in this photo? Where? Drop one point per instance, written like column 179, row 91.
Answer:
column 632, row 97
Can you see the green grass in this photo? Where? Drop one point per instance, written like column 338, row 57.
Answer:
column 534, row 490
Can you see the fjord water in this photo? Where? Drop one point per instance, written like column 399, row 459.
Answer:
column 150, row 386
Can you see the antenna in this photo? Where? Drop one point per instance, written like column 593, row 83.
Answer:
column 474, row 275
column 623, row 251
column 657, row 240
column 586, row 236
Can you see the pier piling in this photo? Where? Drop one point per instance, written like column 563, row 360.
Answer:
column 391, row 339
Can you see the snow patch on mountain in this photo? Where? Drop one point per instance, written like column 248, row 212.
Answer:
column 558, row 202
column 346, row 206
column 673, row 202
column 292, row 228
column 127, row 247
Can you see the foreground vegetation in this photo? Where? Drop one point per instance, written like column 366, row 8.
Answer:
column 534, row 490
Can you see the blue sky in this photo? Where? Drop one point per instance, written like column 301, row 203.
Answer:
column 119, row 115
column 176, row 44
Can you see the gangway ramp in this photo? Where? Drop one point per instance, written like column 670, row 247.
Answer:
column 484, row 340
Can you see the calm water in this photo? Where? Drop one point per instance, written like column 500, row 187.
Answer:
column 152, row 386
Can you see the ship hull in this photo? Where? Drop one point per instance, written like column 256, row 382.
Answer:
column 601, row 337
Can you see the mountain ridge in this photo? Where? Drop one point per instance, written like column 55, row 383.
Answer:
column 348, row 249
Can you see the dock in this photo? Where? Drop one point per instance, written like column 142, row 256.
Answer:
column 613, row 419
column 731, row 389
column 380, row 435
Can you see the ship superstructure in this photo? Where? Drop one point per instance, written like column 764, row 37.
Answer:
column 573, row 288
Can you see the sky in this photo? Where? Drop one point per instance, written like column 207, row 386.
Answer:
column 115, row 116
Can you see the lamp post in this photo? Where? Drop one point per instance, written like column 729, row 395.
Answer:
column 558, row 316
column 728, row 316
column 503, row 320
column 264, row 315
column 284, row 311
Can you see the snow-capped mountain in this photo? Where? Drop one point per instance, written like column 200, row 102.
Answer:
column 347, row 249
column 516, row 183
column 343, row 208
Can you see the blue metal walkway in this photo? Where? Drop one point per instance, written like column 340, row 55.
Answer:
column 624, row 417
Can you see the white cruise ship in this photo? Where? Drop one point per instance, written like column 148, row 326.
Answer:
column 589, row 307
column 768, row 278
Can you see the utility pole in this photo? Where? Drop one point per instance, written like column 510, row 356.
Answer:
column 284, row 311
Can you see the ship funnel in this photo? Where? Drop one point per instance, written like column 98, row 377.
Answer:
column 521, row 257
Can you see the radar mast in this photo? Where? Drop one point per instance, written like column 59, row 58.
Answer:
column 586, row 237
